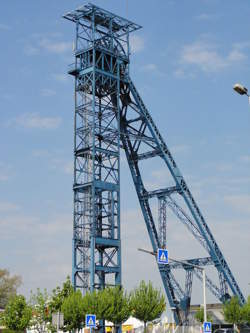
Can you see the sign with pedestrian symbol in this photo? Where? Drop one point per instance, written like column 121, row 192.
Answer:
column 90, row 320
column 207, row 327
column 162, row 256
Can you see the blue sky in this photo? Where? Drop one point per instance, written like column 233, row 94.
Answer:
column 185, row 61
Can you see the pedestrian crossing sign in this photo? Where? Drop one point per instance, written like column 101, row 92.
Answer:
column 207, row 327
column 90, row 320
column 162, row 256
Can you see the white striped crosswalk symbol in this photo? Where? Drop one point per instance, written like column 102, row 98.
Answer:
column 162, row 256
column 90, row 320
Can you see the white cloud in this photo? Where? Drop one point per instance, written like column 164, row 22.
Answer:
column 206, row 56
column 240, row 202
column 137, row 43
column 180, row 149
column 236, row 56
column 50, row 241
column 150, row 68
column 4, row 26
column 50, row 43
column 47, row 92
column 68, row 167
column 31, row 50
column 205, row 17
column 55, row 160
column 54, row 46
column 8, row 207
column 5, row 172
column 61, row 77
column 63, row 165
column 40, row 153
column 13, row 225
column 245, row 158
column 34, row 120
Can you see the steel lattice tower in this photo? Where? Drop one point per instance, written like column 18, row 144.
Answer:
column 109, row 115
column 101, row 58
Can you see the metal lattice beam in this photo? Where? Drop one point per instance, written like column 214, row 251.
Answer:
column 110, row 115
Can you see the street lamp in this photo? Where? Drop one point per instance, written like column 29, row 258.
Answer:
column 194, row 266
column 240, row 89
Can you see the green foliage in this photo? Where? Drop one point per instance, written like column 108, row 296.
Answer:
column 90, row 303
column 73, row 311
column 232, row 311
column 199, row 316
column 1, row 318
column 40, row 313
column 245, row 311
column 115, row 305
column 110, row 303
column 147, row 303
column 6, row 330
column 59, row 295
column 8, row 286
column 17, row 314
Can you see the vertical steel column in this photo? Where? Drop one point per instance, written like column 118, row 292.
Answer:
column 105, row 101
column 101, row 63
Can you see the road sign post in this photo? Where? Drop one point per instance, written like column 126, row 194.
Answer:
column 162, row 256
column 90, row 321
column 207, row 327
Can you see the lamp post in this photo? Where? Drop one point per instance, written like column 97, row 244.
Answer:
column 194, row 266
column 173, row 309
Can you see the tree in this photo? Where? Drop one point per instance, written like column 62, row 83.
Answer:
column 17, row 314
column 147, row 303
column 246, row 312
column 41, row 317
column 232, row 311
column 199, row 316
column 115, row 305
column 91, row 303
column 59, row 295
column 73, row 311
column 8, row 286
column 110, row 303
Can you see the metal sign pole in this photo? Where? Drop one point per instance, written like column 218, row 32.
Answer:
column 204, row 295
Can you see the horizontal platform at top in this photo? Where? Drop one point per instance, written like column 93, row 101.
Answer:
column 102, row 18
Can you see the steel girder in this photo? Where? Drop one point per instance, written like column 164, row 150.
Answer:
column 101, row 57
column 108, row 109
column 141, row 140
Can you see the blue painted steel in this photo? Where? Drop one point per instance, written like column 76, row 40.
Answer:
column 110, row 114
column 101, row 57
column 150, row 136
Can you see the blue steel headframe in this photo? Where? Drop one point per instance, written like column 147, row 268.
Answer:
column 101, row 61
column 141, row 140
column 109, row 115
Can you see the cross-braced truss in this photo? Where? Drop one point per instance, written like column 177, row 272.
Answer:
column 109, row 115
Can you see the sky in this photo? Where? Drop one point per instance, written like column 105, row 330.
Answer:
column 185, row 61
